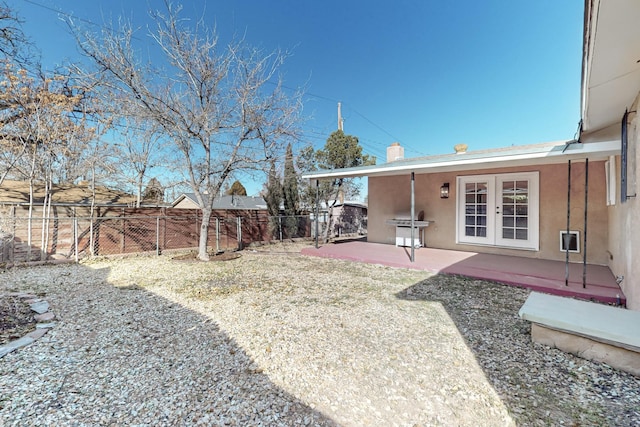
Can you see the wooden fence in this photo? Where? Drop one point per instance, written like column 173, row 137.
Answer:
column 69, row 232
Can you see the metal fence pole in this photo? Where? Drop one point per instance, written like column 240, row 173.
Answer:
column 280, row 226
column 75, row 235
column 239, row 232
column 157, row 236
column 317, row 215
column 217, row 235
column 13, row 239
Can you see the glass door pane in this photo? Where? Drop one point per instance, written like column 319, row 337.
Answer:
column 515, row 210
column 476, row 209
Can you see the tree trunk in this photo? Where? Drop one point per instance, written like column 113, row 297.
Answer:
column 92, row 247
column 30, row 215
column 46, row 210
column 203, row 254
column 139, row 192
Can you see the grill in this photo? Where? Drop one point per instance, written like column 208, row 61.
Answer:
column 403, row 231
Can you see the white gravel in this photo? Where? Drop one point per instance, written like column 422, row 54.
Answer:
column 280, row 339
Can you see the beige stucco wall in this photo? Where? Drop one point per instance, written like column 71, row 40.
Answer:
column 186, row 204
column 390, row 196
column 624, row 218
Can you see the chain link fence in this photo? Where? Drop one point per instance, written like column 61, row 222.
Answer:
column 49, row 238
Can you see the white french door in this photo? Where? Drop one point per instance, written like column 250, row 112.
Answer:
column 499, row 210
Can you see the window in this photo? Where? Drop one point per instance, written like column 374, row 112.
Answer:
column 610, row 178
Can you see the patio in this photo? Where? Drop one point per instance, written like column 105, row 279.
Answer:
column 535, row 274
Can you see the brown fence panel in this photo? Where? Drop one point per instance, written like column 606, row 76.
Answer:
column 124, row 231
column 178, row 233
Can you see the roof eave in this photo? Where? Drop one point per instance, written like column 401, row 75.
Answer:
column 587, row 59
column 556, row 154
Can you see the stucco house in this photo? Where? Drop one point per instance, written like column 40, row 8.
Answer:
column 226, row 202
column 522, row 200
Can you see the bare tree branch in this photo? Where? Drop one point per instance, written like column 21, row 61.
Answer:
column 215, row 103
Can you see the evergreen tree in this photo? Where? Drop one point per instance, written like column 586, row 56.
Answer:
column 340, row 151
column 273, row 197
column 154, row 193
column 290, row 194
column 236, row 189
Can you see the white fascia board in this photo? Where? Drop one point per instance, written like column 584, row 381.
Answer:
column 179, row 199
column 554, row 154
column 590, row 25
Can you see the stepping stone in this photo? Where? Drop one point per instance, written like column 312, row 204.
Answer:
column 37, row 334
column 29, row 296
column 40, row 307
column 44, row 317
column 13, row 345
column 45, row 325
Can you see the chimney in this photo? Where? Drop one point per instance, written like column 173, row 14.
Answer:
column 395, row 152
column 460, row 148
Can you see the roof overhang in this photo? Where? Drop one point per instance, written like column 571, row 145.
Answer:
column 542, row 154
column 610, row 61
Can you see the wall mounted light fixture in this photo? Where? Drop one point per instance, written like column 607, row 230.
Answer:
column 444, row 191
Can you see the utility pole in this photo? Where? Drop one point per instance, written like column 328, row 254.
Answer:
column 340, row 119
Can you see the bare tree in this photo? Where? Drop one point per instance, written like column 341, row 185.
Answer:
column 216, row 105
column 138, row 151
column 39, row 123
column 15, row 47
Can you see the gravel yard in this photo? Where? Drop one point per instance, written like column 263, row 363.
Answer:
column 275, row 338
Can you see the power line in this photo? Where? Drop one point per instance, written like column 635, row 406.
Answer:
column 68, row 15
column 309, row 94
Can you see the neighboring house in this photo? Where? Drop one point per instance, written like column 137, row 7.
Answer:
column 350, row 218
column 226, row 202
column 521, row 200
column 16, row 193
column 61, row 227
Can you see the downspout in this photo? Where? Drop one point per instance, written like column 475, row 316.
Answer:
column 567, row 237
column 584, row 245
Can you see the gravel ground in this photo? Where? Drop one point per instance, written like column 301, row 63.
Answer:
column 16, row 318
column 274, row 338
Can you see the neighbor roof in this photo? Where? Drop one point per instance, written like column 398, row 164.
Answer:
column 520, row 155
column 17, row 192
column 227, row 202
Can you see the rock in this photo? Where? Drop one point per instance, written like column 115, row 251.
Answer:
column 13, row 345
column 44, row 317
column 38, row 333
column 40, row 307
column 45, row 325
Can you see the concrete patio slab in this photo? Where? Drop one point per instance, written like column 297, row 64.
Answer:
column 535, row 274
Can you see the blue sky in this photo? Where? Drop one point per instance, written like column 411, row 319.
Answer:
column 428, row 74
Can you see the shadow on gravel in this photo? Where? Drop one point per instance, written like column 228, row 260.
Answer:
column 121, row 355
column 537, row 384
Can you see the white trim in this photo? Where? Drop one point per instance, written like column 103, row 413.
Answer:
column 588, row 45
